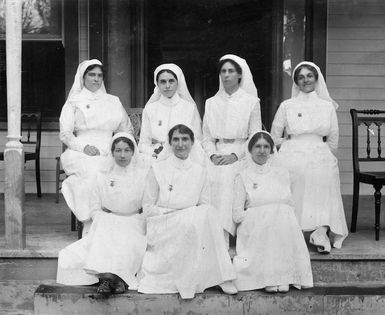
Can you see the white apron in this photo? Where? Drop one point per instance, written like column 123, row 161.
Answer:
column 312, row 165
column 271, row 249
column 116, row 241
column 92, row 117
column 228, row 122
column 186, row 251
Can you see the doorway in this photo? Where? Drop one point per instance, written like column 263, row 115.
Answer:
column 195, row 34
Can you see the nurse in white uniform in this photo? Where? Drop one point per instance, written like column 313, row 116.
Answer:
column 169, row 105
column 112, row 252
column 271, row 252
column 88, row 120
column 308, row 118
column 231, row 116
column 186, row 250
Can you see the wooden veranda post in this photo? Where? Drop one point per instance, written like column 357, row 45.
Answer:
column 13, row 154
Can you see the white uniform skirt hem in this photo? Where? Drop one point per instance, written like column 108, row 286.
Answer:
column 115, row 244
column 81, row 170
column 316, row 187
column 186, row 253
column 271, row 250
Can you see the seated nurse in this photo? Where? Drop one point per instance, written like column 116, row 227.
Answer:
column 186, row 251
column 88, row 120
column 112, row 252
column 308, row 118
column 231, row 116
column 271, row 252
column 169, row 105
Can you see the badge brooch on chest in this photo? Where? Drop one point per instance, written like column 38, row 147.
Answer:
column 159, row 123
column 112, row 183
column 255, row 185
column 170, row 187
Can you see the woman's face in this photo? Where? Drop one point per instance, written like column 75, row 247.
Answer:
column 181, row 144
column 93, row 79
column 122, row 154
column 229, row 76
column 306, row 80
column 260, row 152
column 167, row 84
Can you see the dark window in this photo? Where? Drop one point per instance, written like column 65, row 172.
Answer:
column 43, row 78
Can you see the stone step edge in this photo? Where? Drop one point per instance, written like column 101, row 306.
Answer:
column 341, row 300
column 90, row 291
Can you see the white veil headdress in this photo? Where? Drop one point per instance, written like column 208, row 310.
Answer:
column 197, row 154
column 247, row 82
column 135, row 160
column 320, row 85
column 78, row 84
column 182, row 89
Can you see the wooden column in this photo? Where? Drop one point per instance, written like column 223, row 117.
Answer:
column 122, row 42
column 14, row 155
column 118, row 38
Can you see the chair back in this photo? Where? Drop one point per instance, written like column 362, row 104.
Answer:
column 31, row 129
column 135, row 115
column 370, row 125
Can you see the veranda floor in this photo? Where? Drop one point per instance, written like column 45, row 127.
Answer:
column 48, row 229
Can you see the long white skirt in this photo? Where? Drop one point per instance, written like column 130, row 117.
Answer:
column 222, row 183
column 115, row 244
column 81, row 170
column 271, row 250
column 316, row 187
column 186, row 253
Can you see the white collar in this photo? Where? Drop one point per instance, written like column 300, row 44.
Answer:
column 307, row 96
column 261, row 169
column 120, row 170
column 91, row 95
column 179, row 163
column 170, row 101
column 235, row 94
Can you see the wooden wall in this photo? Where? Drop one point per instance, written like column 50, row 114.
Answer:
column 83, row 31
column 355, row 69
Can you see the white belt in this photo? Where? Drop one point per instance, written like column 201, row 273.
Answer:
column 307, row 137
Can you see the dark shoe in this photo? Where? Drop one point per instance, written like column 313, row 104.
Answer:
column 120, row 287
column 104, row 287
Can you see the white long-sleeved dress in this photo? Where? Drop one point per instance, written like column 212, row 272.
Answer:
column 186, row 251
column 88, row 118
column 116, row 242
column 312, row 165
column 160, row 116
column 228, row 122
column 271, row 249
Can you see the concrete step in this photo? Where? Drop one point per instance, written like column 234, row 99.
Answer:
column 20, row 277
column 361, row 262
column 16, row 296
column 363, row 272
column 58, row 299
column 325, row 273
